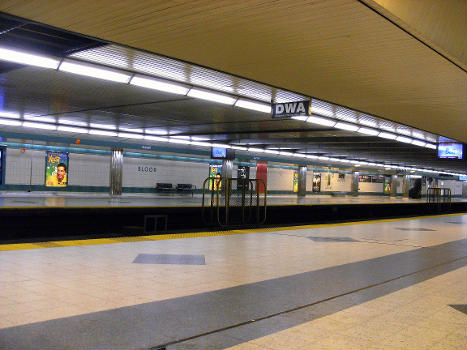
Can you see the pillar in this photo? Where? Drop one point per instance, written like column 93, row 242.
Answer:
column 354, row 184
column 227, row 167
column 464, row 189
column 394, row 183
column 116, row 167
column 302, row 180
column 405, row 186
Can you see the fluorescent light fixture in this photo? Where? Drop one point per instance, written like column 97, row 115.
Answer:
column 205, row 144
column 183, row 137
column 197, row 138
column 39, row 119
column 404, row 139
column 430, row 145
column 28, row 59
column 287, row 154
column 368, row 122
column 310, row 156
column 256, row 106
column 299, row 117
column 387, row 127
column 323, row 158
column 39, row 126
column 404, row 131
column 155, row 138
column 94, row 71
column 211, row 96
column 131, row 130
column 239, row 148
column 387, row 135
column 220, row 145
column 103, row 126
column 418, row 135
column 345, row 126
column 257, row 150
column 102, row 132
column 72, row 129
column 321, row 111
column 128, row 135
column 321, row 121
column 368, row 131
column 72, row 122
column 10, row 122
column 418, row 143
column 156, row 131
column 12, row 115
column 160, row 85
column 431, row 139
column 180, row 141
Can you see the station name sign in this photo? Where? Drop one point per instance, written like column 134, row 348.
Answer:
column 290, row 109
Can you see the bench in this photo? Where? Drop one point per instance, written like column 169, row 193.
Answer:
column 163, row 187
column 186, row 188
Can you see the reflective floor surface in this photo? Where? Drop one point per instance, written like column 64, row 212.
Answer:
column 389, row 284
column 50, row 199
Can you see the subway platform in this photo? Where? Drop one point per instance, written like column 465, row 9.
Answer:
column 29, row 216
column 387, row 284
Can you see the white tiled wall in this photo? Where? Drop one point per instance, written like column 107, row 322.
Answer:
column 18, row 167
column 93, row 170
column 280, row 179
column 330, row 182
column 167, row 171
column 88, row 170
column 370, row 187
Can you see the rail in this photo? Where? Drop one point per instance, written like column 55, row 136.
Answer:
column 234, row 202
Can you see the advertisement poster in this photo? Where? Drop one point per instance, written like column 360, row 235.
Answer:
column 56, row 169
column 317, row 183
column 243, row 172
column 215, row 172
column 295, row 181
column 387, row 185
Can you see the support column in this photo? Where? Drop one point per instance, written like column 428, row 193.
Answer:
column 405, row 186
column 302, row 180
column 354, row 184
column 464, row 189
column 116, row 167
column 227, row 167
column 394, row 183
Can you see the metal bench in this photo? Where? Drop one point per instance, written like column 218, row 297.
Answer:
column 163, row 187
column 186, row 188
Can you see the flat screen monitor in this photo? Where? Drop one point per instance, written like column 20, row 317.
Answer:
column 222, row 153
column 450, row 150
column 219, row 153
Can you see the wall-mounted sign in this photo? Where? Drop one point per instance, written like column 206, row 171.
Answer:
column 146, row 169
column 56, row 170
column 289, row 109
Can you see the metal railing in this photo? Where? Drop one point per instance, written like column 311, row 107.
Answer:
column 234, row 202
column 438, row 195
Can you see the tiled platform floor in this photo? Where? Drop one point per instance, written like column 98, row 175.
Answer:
column 10, row 199
column 384, row 284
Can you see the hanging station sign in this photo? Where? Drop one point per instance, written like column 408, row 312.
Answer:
column 290, row 109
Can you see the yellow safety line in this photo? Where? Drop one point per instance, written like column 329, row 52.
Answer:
column 99, row 241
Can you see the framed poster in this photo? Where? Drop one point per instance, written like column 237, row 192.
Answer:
column 295, row 181
column 243, row 172
column 215, row 172
column 317, row 183
column 56, row 169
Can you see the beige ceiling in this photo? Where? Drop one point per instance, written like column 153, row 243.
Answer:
column 337, row 50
